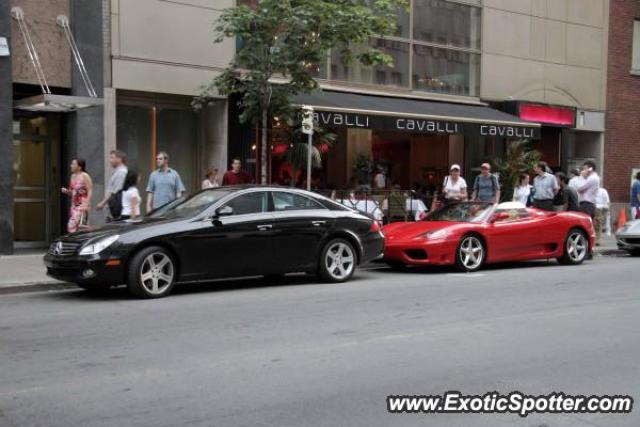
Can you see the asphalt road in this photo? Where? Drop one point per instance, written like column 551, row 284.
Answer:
column 252, row 353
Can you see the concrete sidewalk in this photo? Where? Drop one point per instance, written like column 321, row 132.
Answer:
column 28, row 270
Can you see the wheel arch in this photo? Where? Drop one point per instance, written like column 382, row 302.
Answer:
column 477, row 234
column 348, row 236
column 159, row 243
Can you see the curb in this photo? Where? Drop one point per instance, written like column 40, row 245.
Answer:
column 15, row 288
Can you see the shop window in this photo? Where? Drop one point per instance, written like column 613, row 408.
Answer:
column 398, row 75
column 143, row 130
column 446, row 23
column 446, row 71
column 635, row 56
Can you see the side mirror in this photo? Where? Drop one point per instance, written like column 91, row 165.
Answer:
column 500, row 216
column 224, row 211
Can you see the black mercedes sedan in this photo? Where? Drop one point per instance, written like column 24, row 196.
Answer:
column 218, row 233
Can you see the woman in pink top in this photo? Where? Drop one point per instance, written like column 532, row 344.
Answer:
column 80, row 189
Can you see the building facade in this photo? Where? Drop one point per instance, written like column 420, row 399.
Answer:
column 469, row 75
column 622, row 149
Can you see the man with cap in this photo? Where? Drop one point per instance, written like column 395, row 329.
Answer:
column 486, row 187
column 454, row 188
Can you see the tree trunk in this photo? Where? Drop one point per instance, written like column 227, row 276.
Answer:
column 264, row 147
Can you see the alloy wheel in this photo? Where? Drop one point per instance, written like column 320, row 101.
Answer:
column 340, row 260
column 156, row 273
column 577, row 246
column 471, row 252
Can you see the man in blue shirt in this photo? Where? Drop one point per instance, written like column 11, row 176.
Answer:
column 164, row 185
column 635, row 197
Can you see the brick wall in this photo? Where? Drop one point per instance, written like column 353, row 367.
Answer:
column 622, row 138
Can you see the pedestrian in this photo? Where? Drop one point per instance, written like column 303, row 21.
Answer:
column 117, row 160
column 545, row 186
column 81, row 190
column 522, row 192
column 486, row 187
column 380, row 179
column 558, row 199
column 164, row 184
column 131, row 199
column 587, row 186
column 602, row 213
column 574, row 175
column 236, row 176
column 635, row 197
column 454, row 188
column 570, row 198
column 211, row 179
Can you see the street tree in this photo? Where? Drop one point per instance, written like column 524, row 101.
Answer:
column 280, row 44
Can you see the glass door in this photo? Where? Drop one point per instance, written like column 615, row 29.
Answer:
column 30, row 199
column 35, row 173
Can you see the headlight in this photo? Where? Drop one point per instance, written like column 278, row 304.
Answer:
column 435, row 235
column 99, row 246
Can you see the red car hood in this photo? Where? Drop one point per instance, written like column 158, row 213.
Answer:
column 409, row 230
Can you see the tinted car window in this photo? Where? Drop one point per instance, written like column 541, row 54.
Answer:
column 190, row 206
column 293, row 202
column 249, row 203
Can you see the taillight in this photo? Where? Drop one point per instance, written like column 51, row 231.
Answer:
column 375, row 227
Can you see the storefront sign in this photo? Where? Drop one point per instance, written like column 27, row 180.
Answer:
column 408, row 124
column 547, row 114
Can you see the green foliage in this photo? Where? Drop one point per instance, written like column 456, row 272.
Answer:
column 282, row 41
column 520, row 158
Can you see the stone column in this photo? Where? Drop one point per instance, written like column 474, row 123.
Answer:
column 85, row 128
column 6, row 137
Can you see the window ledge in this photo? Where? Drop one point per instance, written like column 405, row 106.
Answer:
column 634, row 72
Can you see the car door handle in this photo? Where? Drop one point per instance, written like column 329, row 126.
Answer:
column 265, row 227
column 318, row 223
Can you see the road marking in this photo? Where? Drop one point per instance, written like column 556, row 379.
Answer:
column 467, row 275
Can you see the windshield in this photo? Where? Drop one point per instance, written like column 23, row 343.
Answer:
column 191, row 206
column 461, row 212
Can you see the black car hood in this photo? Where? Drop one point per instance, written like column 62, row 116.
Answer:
column 117, row 227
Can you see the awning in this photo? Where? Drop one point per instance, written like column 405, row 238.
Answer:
column 56, row 103
column 342, row 109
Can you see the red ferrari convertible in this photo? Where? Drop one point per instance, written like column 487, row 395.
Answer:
column 469, row 235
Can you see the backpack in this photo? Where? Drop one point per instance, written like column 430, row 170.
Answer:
column 115, row 205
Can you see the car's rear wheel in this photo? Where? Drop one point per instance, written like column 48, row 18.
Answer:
column 470, row 253
column 337, row 261
column 152, row 273
column 576, row 248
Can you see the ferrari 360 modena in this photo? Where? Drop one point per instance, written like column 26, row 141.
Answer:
column 469, row 235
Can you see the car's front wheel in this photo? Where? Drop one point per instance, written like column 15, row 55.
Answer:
column 470, row 254
column 576, row 248
column 152, row 273
column 337, row 261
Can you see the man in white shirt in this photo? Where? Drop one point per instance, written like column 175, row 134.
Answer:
column 587, row 187
column 380, row 179
column 574, row 178
column 602, row 213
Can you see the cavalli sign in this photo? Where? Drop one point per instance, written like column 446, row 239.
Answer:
column 408, row 124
